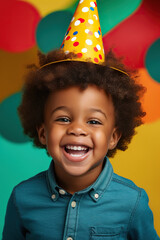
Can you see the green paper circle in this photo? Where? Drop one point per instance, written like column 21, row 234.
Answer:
column 111, row 13
column 10, row 126
column 51, row 30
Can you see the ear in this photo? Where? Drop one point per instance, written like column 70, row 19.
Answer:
column 114, row 139
column 41, row 134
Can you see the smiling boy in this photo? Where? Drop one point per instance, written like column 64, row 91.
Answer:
column 79, row 112
column 78, row 130
column 81, row 106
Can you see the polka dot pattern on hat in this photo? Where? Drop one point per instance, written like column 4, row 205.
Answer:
column 75, row 44
column 83, row 36
column 68, row 37
column 77, row 22
column 89, row 42
column 85, row 9
column 90, row 21
column 92, row 9
column 95, row 49
column 81, row 20
column 96, row 34
column 75, row 33
column 93, row 4
column 79, row 55
column 95, row 16
column 73, row 39
column 84, row 50
column 72, row 19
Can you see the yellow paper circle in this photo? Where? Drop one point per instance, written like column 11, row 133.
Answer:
column 48, row 6
column 141, row 164
column 13, row 68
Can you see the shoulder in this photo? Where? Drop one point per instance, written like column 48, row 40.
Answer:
column 125, row 183
column 127, row 192
column 32, row 181
column 34, row 186
column 135, row 200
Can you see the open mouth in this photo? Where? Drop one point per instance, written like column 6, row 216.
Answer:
column 76, row 152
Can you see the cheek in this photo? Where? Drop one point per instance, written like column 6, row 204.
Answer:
column 54, row 136
column 53, row 143
column 101, row 140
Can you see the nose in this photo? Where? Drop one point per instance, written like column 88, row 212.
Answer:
column 77, row 129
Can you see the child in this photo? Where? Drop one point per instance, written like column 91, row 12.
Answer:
column 81, row 112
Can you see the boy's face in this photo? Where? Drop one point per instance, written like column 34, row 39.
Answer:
column 79, row 129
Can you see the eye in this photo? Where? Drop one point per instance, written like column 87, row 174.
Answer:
column 63, row 119
column 94, row 122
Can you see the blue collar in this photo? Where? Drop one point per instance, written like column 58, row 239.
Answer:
column 95, row 190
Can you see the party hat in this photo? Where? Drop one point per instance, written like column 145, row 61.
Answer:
column 84, row 36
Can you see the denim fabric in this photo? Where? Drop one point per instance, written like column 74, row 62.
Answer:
column 113, row 208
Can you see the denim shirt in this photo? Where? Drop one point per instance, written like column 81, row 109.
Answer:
column 113, row 208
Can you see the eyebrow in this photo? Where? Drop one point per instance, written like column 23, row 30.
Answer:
column 60, row 108
column 98, row 110
column 67, row 110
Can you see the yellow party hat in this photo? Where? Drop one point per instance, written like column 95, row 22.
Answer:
column 84, row 36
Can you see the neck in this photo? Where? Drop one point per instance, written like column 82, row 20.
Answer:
column 74, row 184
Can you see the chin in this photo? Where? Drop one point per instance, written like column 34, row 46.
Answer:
column 74, row 172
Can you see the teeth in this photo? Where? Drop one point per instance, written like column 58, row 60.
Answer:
column 76, row 155
column 79, row 148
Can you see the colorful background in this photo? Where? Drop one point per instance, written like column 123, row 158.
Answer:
column 132, row 29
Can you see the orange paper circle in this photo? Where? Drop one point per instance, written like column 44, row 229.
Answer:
column 151, row 98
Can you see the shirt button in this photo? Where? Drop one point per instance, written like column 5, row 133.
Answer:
column 69, row 238
column 73, row 204
column 61, row 191
column 96, row 195
column 53, row 196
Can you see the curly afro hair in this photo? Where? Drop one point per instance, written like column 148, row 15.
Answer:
column 123, row 88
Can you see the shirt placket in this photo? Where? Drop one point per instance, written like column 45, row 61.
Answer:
column 72, row 218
